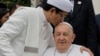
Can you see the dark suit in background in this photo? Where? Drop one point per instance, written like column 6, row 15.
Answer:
column 98, row 24
column 83, row 21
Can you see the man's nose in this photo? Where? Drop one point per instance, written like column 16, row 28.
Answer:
column 61, row 37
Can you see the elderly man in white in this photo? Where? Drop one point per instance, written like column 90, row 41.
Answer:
column 64, row 36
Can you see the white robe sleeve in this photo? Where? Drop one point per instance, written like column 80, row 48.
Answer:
column 12, row 28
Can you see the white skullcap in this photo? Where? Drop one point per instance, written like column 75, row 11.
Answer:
column 66, row 23
column 64, row 5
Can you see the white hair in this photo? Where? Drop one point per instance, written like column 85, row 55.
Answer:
column 67, row 24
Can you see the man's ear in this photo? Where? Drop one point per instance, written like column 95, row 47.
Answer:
column 73, row 37
column 52, row 10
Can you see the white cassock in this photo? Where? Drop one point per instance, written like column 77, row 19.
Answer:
column 26, row 33
column 74, row 50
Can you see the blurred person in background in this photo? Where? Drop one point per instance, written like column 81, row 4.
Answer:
column 4, row 14
column 98, row 25
column 13, row 7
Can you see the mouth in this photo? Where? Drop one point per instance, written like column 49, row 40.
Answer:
column 63, row 42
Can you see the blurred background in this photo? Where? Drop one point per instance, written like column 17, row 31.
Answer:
column 96, row 4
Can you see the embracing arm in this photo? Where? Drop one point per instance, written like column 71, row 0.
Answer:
column 87, row 50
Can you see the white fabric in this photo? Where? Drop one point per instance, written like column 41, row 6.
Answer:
column 25, row 23
column 74, row 50
column 64, row 5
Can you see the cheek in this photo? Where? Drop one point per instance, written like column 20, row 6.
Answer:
column 56, row 40
column 59, row 18
column 69, row 40
column 56, row 19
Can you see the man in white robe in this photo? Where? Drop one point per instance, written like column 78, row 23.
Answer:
column 28, row 29
column 64, row 36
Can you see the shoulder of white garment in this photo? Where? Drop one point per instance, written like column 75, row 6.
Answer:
column 25, row 8
column 76, row 49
